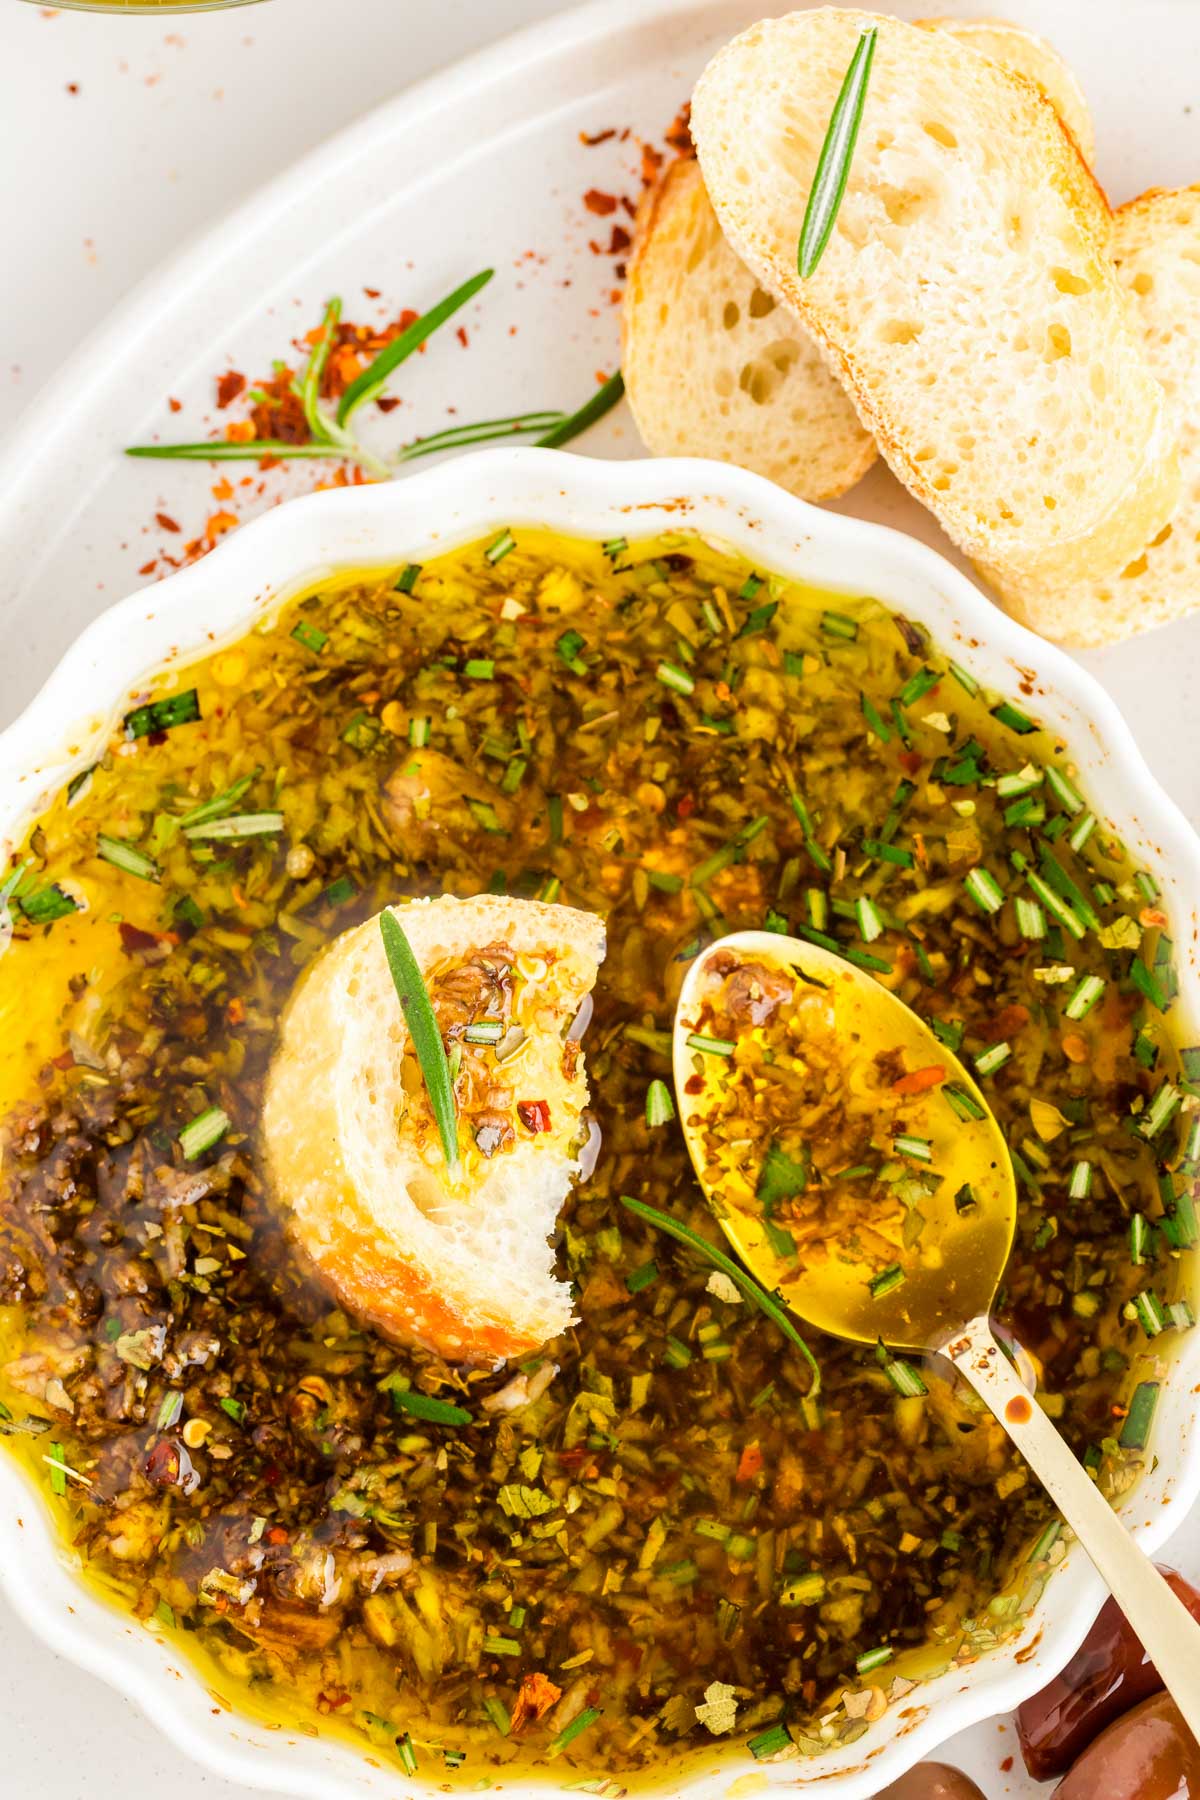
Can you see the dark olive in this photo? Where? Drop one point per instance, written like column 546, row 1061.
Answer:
column 932, row 1781
column 1148, row 1754
column 1109, row 1674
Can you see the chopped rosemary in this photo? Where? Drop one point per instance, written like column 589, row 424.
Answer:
column 672, row 676
column 500, row 547
column 125, row 857
column 429, row 1408
column 984, row 890
column 660, row 1108
column 163, row 715
column 570, row 1732
column 205, row 1130
column 1135, row 1432
column 886, row 1282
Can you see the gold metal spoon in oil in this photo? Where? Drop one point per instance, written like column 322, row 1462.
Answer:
column 857, row 1171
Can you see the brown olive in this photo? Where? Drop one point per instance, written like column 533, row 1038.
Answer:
column 932, row 1781
column 1148, row 1754
column 1109, row 1674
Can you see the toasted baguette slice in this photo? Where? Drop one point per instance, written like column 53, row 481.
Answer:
column 1039, row 62
column 1157, row 250
column 458, row 1264
column 966, row 295
column 715, row 367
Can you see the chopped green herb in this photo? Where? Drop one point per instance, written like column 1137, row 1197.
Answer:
column 125, row 857
column 430, row 1409
column 163, row 715
column 500, row 547
column 205, row 1130
column 660, row 1108
column 311, row 636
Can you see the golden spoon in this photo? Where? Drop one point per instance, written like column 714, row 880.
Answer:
column 866, row 1275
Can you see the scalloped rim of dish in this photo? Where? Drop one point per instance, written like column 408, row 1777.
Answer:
column 247, row 578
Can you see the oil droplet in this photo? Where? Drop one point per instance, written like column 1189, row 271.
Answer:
column 1018, row 1411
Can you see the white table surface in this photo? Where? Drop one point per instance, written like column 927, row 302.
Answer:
column 120, row 138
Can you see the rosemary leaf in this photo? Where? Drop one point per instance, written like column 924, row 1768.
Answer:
column 837, row 152
column 602, row 401
column 753, row 1290
column 423, row 1027
column 373, row 378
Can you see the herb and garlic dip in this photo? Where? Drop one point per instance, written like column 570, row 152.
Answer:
column 635, row 1541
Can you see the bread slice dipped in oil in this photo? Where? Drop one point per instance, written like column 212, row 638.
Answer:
column 715, row 366
column 966, row 296
column 455, row 1260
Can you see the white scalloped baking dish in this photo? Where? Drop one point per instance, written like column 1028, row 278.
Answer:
column 224, row 595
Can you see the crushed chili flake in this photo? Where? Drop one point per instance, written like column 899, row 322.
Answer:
column 534, row 1114
column 166, row 521
column 597, row 137
column 229, row 386
column 175, row 405
column 600, row 204
column 387, row 402
column 535, row 1696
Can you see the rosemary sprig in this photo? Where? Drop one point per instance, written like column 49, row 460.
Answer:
column 310, row 387
column 331, row 439
column 423, row 1028
column 837, row 152
column 479, row 431
column 221, row 450
column 371, row 382
column 753, row 1290
column 601, row 402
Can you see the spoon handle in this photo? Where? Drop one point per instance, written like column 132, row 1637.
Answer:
column 1169, row 1634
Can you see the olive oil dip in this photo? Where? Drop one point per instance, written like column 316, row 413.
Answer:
column 635, row 1540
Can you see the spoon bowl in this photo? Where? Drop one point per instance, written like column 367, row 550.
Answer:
column 937, row 1164
column 806, row 1090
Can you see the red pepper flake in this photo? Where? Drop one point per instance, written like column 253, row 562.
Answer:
column 229, row 386
column 535, row 1696
column 147, row 944
column 460, row 332
column 750, row 1464
column 163, row 1463
column 600, row 204
column 72, row 87
column 597, row 137
column 371, row 293
column 148, row 568
column 685, row 806
column 235, row 1012
column 1006, row 1765
column 919, row 1081
column 679, row 131
column 219, row 523
column 241, row 431
column 910, row 761
column 620, row 241
column 166, row 521
column 175, row 405
column 278, row 1533
column 1006, row 1024
column 388, row 402
column 534, row 1114
column 652, row 161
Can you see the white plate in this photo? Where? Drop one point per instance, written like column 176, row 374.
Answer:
column 484, row 165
